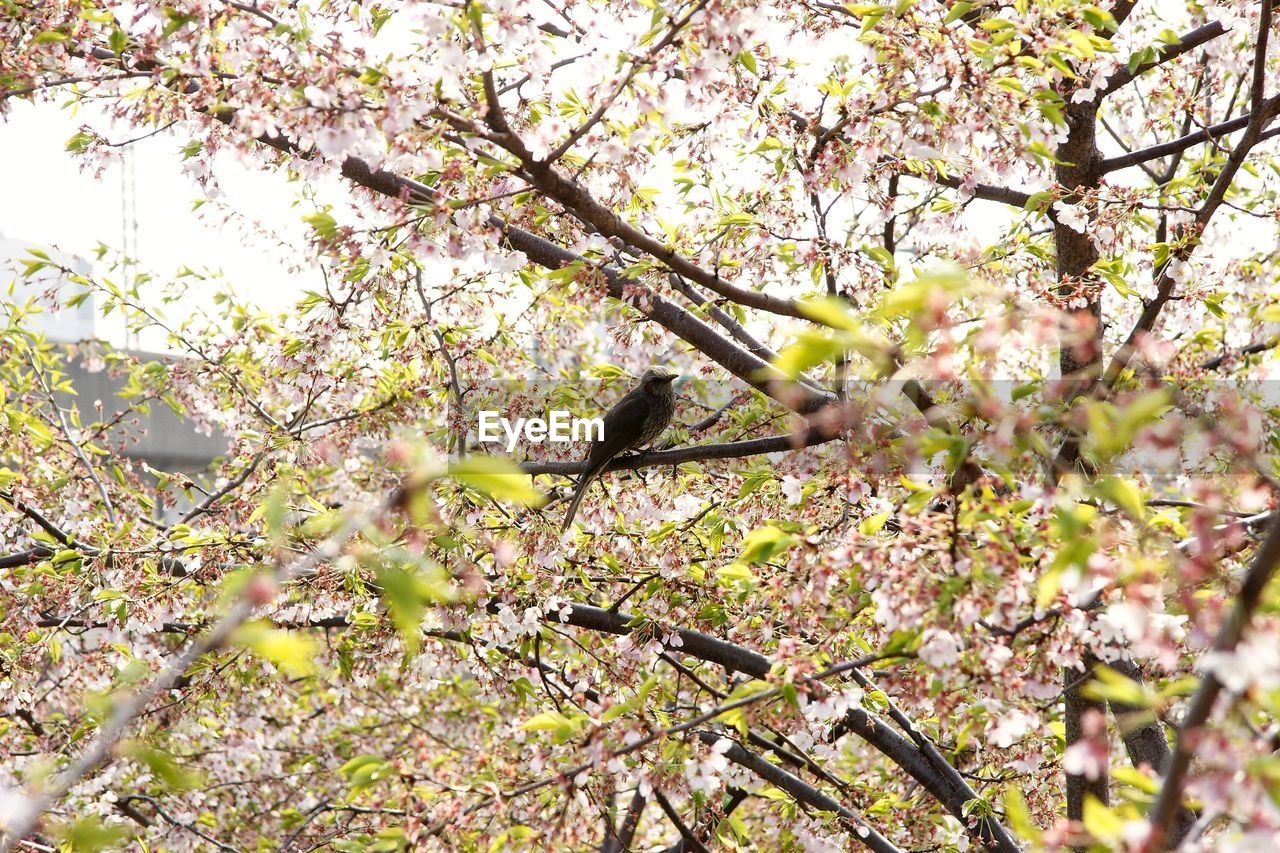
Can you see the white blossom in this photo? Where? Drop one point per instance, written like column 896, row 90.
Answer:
column 1072, row 216
column 940, row 648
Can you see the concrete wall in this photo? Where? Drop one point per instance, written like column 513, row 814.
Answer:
column 168, row 442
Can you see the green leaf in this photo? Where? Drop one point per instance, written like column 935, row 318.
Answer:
column 914, row 297
column 615, row 711
column 78, row 142
column 325, row 226
column 1101, row 822
column 546, row 721
column 873, row 524
column 1019, row 816
column 1139, row 412
column 620, row 708
column 829, row 311
column 1135, row 778
column 363, row 771
column 1047, row 587
column 292, row 651
column 764, row 543
column 735, row 572
column 958, row 11
column 1099, row 19
column 497, row 477
column 1108, row 685
column 1124, row 494
column 810, row 349
column 563, row 728
column 92, row 834
column 165, row 766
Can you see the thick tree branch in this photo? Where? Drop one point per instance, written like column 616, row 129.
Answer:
column 917, row 755
column 39, row 518
column 578, row 199
column 1144, row 739
column 620, row 841
column 1249, row 349
column 902, row 752
column 986, row 192
column 730, row 325
column 1122, row 9
column 746, row 366
column 24, row 558
column 687, row 838
column 1145, row 743
column 1075, row 706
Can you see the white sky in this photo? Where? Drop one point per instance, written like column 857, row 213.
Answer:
column 51, row 201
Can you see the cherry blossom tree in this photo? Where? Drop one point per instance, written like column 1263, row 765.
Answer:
column 965, row 535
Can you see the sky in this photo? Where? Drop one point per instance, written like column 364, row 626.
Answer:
column 53, row 202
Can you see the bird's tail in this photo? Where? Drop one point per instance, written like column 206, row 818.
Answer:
column 579, row 492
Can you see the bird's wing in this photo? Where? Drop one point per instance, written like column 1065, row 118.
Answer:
column 622, row 427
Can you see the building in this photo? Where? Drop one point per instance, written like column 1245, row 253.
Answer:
column 166, row 441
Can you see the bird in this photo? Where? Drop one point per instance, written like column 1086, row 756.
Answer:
column 634, row 421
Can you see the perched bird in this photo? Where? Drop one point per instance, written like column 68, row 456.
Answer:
column 634, row 421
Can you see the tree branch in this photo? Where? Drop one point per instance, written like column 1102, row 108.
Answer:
column 691, row 453
column 802, row 792
column 620, row 841
column 1174, row 146
column 731, row 325
column 574, row 196
column 1164, row 812
column 748, row 367
column 951, row 788
column 1190, row 41
column 1145, row 742
column 44, row 523
column 986, row 192
column 24, row 558
column 1264, row 109
column 1075, row 706
column 102, row 748
column 686, row 835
